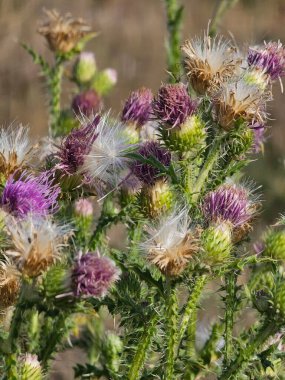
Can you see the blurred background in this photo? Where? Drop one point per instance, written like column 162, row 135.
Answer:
column 131, row 40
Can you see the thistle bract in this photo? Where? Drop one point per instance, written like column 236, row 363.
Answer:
column 93, row 275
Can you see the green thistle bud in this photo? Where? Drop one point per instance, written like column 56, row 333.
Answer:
column 156, row 199
column 261, row 300
column 275, row 245
column 240, row 142
column 31, row 368
column 104, row 81
column 189, row 136
column 54, row 282
column 113, row 347
column 217, row 243
column 85, row 67
column 279, row 301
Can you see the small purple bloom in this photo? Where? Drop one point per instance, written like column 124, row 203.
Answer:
column 138, row 107
column 76, row 145
column 258, row 136
column 93, row 275
column 87, row 102
column 83, row 207
column 29, row 194
column 228, row 203
column 148, row 173
column 270, row 59
column 173, row 105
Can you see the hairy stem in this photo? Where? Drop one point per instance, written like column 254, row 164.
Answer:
column 54, row 82
column 220, row 9
column 190, row 309
column 230, row 308
column 267, row 329
column 143, row 347
column 171, row 330
column 174, row 24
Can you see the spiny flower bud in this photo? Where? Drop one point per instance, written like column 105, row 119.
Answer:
column 171, row 244
column 93, row 275
column 85, row 67
column 270, row 59
column 239, row 100
column 156, row 199
column 63, row 33
column 216, row 241
column 209, row 62
column 9, row 284
column 261, row 300
column 76, row 145
column 138, row 107
column 30, row 194
column 83, row 207
column 147, row 173
column 30, row 367
column 112, row 348
column 104, row 81
column 173, row 105
column 87, row 103
column 279, row 299
column 274, row 245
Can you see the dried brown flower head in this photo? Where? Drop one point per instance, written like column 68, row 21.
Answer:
column 209, row 62
column 63, row 32
column 9, row 284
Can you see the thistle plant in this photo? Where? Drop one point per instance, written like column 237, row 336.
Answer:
column 168, row 169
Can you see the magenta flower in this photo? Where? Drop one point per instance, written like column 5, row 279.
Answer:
column 29, row 194
column 173, row 105
column 228, row 203
column 76, row 145
column 93, row 275
column 270, row 59
column 148, row 173
column 137, row 108
column 87, row 102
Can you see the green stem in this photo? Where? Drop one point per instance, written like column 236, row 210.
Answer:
column 171, row 330
column 174, row 14
column 143, row 347
column 267, row 329
column 230, row 308
column 220, row 10
column 54, row 82
column 190, row 310
column 213, row 155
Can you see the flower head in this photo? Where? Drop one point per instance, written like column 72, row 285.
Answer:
column 239, row 100
column 76, row 145
column 259, row 130
column 93, row 275
column 229, row 203
column 171, row 244
column 137, row 107
column 209, row 62
column 83, row 207
column 63, row 32
column 270, row 59
column 15, row 149
column 87, row 103
column 173, row 105
column 29, row 194
column 107, row 158
column 30, row 367
column 85, row 67
column 37, row 243
column 9, row 283
column 145, row 172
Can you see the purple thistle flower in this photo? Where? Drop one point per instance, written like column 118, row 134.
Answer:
column 138, row 107
column 270, row 59
column 29, row 194
column 228, row 203
column 145, row 172
column 87, row 102
column 258, row 136
column 173, row 105
column 76, row 145
column 93, row 275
